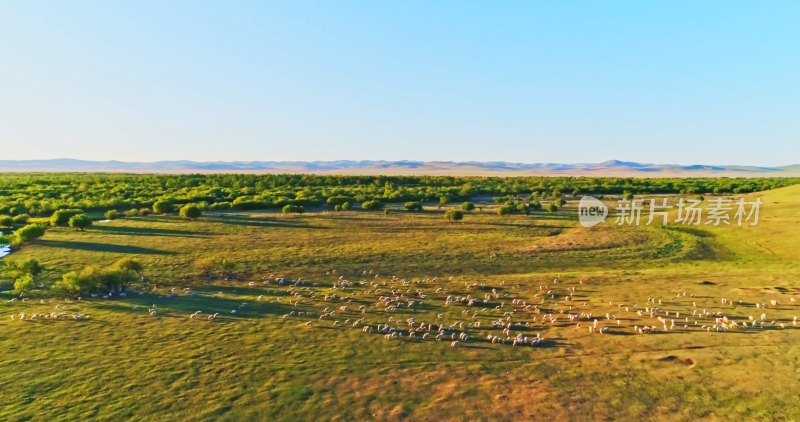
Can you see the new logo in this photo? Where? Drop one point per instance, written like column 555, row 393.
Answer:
column 591, row 211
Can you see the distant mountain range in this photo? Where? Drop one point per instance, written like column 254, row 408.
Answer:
column 369, row 167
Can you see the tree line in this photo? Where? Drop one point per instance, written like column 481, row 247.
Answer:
column 41, row 194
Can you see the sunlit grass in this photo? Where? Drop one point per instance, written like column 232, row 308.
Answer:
column 122, row 363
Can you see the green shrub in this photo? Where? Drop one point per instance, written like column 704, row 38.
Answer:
column 29, row 233
column 80, row 221
column 454, row 215
column 292, row 209
column 413, row 206
column 505, row 209
column 163, row 207
column 23, row 284
column 338, row 200
column 190, row 211
column 373, row 205
column 61, row 217
column 68, row 285
column 220, row 206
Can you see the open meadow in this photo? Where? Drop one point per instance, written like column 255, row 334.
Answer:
column 404, row 315
column 396, row 211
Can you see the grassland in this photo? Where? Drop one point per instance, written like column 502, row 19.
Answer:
column 256, row 364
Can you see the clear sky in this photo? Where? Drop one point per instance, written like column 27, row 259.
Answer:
column 713, row 82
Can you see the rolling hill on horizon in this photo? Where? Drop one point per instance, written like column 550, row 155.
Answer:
column 401, row 167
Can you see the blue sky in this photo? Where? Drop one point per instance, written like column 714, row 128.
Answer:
column 666, row 82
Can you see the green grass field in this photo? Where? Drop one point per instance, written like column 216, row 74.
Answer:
column 287, row 357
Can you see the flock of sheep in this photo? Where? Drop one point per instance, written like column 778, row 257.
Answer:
column 460, row 311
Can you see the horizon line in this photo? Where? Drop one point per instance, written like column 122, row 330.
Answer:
column 574, row 163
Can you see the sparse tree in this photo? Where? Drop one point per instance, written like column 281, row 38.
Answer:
column 467, row 206
column 129, row 264
column 18, row 268
column 24, row 273
column 69, row 285
column 61, row 217
column 372, row 205
column 80, row 221
column 292, row 209
column 73, row 282
column 454, row 215
column 111, row 215
column 112, row 279
column 338, row 200
column 190, row 211
column 505, row 209
column 29, row 233
column 163, row 207
column 23, row 284
column 413, row 206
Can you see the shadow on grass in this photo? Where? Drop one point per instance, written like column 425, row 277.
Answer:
column 368, row 216
column 148, row 231
column 263, row 222
column 102, row 247
column 243, row 290
column 183, row 306
column 693, row 231
column 531, row 225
